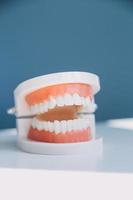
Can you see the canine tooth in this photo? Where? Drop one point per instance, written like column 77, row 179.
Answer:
column 68, row 100
column 50, row 126
column 52, row 103
column 77, row 99
column 57, row 126
column 60, row 101
column 63, row 126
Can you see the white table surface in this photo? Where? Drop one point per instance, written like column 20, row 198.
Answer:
column 30, row 173
column 117, row 153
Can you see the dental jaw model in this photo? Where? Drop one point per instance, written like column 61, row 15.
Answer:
column 62, row 109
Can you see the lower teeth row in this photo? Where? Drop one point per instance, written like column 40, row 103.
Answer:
column 60, row 126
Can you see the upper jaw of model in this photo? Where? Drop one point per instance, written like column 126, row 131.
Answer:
column 61, row 101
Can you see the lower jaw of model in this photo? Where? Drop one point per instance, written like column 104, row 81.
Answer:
column 57, row 120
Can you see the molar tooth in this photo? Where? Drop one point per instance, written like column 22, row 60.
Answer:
column 68, row 100
column 77, row 99
column 50, row 126
column 52, row 103
column 56, row 126
column 60, row 101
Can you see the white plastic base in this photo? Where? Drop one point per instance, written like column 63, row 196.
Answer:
column 92, row 148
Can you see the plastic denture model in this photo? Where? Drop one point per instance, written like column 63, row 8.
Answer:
column 61, row 106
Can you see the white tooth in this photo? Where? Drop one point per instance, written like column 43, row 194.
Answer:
column 35, row 109
column 41, row 108
column 69, row 125
column 80, row 124
column 34, row 123
column 60, row 101
column 50, row 126
column 75, row 124
column 82, row 100
column 39, row 126
column 68, row 100
column 45, row 106
column 63, row 126
column 32, row 110
column 52, row 103
column 45, row 126
column 56, row 126
column 77, row 99
column 87, row 101
column 86, row 123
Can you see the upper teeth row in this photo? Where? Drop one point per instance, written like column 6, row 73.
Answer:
column 59, row 101
column 60, row 126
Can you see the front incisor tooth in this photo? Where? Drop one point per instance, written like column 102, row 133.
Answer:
column 68, row 100
column 56, row 126
column 60, row 101
column 77, row 99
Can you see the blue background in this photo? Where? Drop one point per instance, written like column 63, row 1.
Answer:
column 42, row 36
